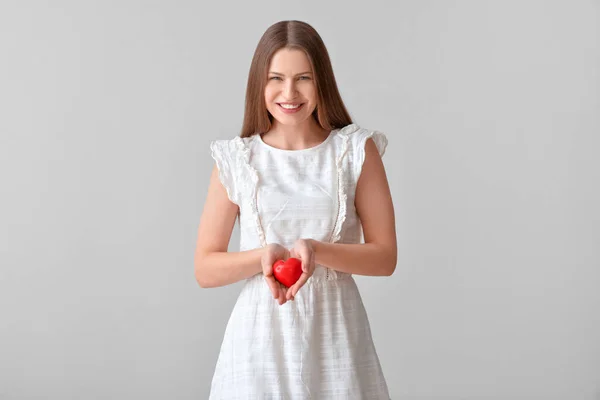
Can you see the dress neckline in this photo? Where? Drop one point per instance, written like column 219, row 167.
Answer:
column 309, row 149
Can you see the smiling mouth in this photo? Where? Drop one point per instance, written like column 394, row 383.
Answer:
column 290, row 106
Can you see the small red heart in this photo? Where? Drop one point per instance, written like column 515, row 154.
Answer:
column 287, row 272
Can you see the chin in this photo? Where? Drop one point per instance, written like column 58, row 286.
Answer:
column 289, row 121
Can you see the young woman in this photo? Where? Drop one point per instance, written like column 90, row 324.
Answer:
column 305, row 182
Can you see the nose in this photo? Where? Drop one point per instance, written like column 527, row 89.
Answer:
column 289, row 90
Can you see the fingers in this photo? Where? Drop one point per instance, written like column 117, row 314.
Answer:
column 296, row 286
column 307, row 256
column 302, row 250
column 273, row 285
column 282, row 298
column 277, row 290
column 288, row 293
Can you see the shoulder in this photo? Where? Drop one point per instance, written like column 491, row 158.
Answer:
column 232, row 147
column 354, row 138
column 230, row 155
column 354, row 145
column 231, row 143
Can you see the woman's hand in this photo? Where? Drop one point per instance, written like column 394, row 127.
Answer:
column 304, row 251
column 272, row 253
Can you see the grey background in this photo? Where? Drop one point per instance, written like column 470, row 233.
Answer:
column 492, row 112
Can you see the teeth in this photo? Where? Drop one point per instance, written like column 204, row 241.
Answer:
column 289, row 106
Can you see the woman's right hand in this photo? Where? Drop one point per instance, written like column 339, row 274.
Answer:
column 272, row 253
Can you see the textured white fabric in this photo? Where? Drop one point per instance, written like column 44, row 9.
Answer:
column 318, row 346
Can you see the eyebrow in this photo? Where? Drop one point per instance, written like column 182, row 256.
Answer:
column 301, row 73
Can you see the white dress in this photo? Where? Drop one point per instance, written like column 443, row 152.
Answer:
column 318, row 346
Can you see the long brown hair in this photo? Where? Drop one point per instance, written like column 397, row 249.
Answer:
column 330, row 112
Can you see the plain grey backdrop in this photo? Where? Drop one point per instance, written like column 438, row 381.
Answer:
column 491, row 108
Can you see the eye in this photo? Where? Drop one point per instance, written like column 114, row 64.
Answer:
column 274, row 77
column 304, row 76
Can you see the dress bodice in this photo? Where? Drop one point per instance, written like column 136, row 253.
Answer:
column 285, row 195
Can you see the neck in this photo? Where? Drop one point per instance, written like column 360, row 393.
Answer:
column 295, row 137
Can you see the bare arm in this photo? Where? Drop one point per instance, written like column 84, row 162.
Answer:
column 373, row 200
column 213, row 265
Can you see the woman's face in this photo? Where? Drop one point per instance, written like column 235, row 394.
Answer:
column 290, row 81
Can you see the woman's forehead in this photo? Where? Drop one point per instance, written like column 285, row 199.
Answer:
column 290, row 62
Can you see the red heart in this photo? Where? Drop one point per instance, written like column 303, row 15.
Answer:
column 287, row 272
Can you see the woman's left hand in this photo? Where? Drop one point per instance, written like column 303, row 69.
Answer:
column 303, row 250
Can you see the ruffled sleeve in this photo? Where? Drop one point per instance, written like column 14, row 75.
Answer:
column 360, row 141
column 223, row 152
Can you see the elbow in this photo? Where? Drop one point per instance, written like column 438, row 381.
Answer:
column 389, row 266
column 389, row 270
column 203, row 280
column 201, row 276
